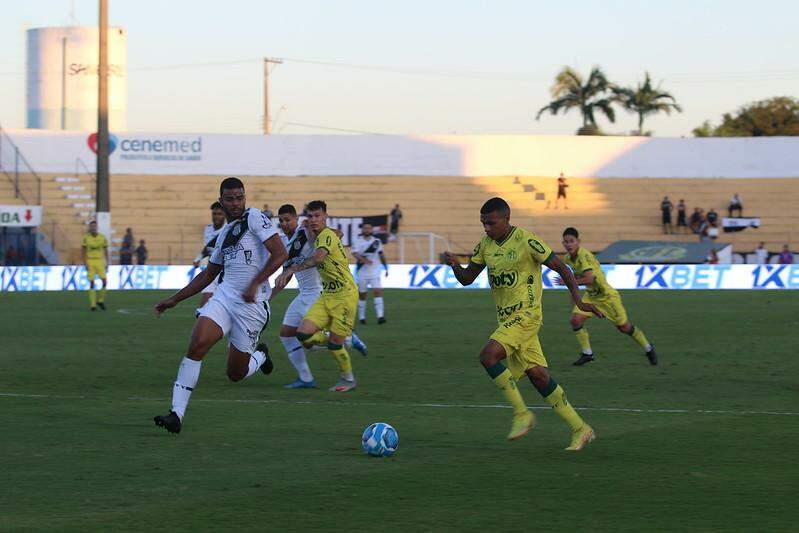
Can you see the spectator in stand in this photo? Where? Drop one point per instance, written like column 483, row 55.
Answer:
column 562, row 186
column 736, row 204
column 786, row 257
column 681, row 219
column 666, row 208
column 697, row 217
column 141, row 253
column 713, row 258
column 395, row 217
column 12, row 257
column 266, row 211
column 761, row 254
column 126, row 250
column 712, row 224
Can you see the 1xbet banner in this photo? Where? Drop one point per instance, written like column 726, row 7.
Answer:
column 657, row 277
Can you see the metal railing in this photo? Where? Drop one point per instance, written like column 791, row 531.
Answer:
column 418, row 240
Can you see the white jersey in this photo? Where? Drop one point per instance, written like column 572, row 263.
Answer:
column 300, row 247
column 370, row 248
column 209, row 235
column 242, row 254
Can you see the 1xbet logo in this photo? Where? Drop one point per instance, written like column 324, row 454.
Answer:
column 112, row 142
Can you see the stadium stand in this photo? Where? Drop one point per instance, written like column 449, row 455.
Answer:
column 169, row 212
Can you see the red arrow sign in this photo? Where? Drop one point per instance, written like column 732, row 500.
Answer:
column 28, row 215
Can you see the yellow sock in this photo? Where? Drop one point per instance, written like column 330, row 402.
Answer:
column 640, row 338
column 582, row 339
column 343, row 359
column 504, row 381
column 92, row 298
column 556, row 397
column 101, row 296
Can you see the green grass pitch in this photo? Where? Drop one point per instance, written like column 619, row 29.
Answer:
column 705, row 441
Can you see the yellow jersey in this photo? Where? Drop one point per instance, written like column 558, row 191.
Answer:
column 514, row 271
column 334, row 270
column 586, row 262
column 95, row 246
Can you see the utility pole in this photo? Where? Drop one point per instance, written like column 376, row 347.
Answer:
column 267, row 117
column 103, row 193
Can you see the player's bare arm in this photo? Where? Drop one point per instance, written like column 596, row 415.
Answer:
column 383, row 261
column 586, row 278
column 467, row 275
column 277, row 256
column 318, row 256
column 200, row 281
column 571, row 283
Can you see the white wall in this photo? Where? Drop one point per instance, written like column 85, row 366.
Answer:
column 467, row 155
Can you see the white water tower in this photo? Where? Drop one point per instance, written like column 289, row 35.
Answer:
column 62, row 78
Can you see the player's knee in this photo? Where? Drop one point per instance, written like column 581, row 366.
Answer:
column 627, row 328
column 576, row 322
column 488, row 359
column 539, row 376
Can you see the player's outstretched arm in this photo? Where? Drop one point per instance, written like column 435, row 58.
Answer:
column 277, row 256
column 318, row 256
column 200, row 281
column 568, row 279
column 467, row 275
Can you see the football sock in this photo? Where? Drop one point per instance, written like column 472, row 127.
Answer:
column 582, row 339
column 555, row 396
column 92, row 298
column 342, row 359
column 361, row 309
column 640, row 338
column 101, row 296
column 504, row 381
column 256, row 360
column 379, row 306
column 297, row 357
column 188, row 374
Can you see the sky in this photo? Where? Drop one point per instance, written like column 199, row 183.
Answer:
column 419, row 67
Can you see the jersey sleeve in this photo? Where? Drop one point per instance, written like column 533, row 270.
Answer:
column 261, row 226
column 538, row 249
column 216, row 256
column 326, row 240
column 477, row 256
column 104, row 241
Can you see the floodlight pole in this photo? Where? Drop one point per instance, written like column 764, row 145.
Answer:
column 267, row 117
column 102, row 193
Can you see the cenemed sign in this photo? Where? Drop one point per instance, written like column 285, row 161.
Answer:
column 21, row 216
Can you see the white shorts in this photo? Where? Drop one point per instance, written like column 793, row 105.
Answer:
column 298, row 308
column 364, row 283
column 211, row 286
column 241, row 322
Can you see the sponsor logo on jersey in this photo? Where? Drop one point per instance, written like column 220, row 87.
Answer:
column 516, row 320
column 332, row 286
column 505, row 279
column 537, row 246
column 248, row 256
column 231, row 252
column 504, row 312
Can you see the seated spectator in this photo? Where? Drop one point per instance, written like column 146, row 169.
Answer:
column 712, row 217
column 697, row 218
column 736, row 204
column 141, row 253
column 786, row 257
column 681, row 220
column 762, row 254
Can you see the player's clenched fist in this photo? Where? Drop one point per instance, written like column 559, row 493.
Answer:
column 450, row 258
column 163, row 305
column 589, row 308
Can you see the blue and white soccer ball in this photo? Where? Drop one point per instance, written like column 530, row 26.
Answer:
column 380, row 440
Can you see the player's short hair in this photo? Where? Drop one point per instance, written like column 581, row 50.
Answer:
column 287, row 209
column 316, row 205
column 216, row 205
column 230, row 183
column 571, row 231
column 495, row 205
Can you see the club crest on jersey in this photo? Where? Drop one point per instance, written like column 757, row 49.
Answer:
column 248, row 256
column 297, row 245
column 236, row 230
column 511, row 255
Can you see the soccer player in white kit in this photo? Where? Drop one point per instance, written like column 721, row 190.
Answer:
column 299, row 243
column 368, row 250
column 210, row 233
column 247, row 252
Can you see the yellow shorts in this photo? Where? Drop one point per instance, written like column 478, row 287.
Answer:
column 95, row 267
column 610, row 306
column 518, row 334
column 335, row 314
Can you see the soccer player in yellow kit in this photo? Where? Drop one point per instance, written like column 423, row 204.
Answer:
column 514, row 257
column 598, row 292
column 95, row 254
column 335, row 309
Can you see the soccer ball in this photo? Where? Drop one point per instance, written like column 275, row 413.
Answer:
column 380, row 440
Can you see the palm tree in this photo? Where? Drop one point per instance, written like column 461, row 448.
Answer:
column 645, row 100
column 570, row 92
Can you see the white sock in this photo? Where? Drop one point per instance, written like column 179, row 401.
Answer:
column 361, row 309
column 256, row 360
column 648, row 347
column 348, row 376
column 379, row 306
column 589, row 351
column 297, row 357
column 188, row 375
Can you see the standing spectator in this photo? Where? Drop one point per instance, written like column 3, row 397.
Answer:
column 266, row 211
column 141, row 253
column 736, row 204
column 562, row 186
column 126, row 250
column 12, row 256
column 712, row 224
column 697, row 217
column 681, row 219
column 762, row 254
column 396, row 216
column 666, row 208
column 786, row 257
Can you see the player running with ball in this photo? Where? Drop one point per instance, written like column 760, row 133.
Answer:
column 249, row 250
column 514, row 257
